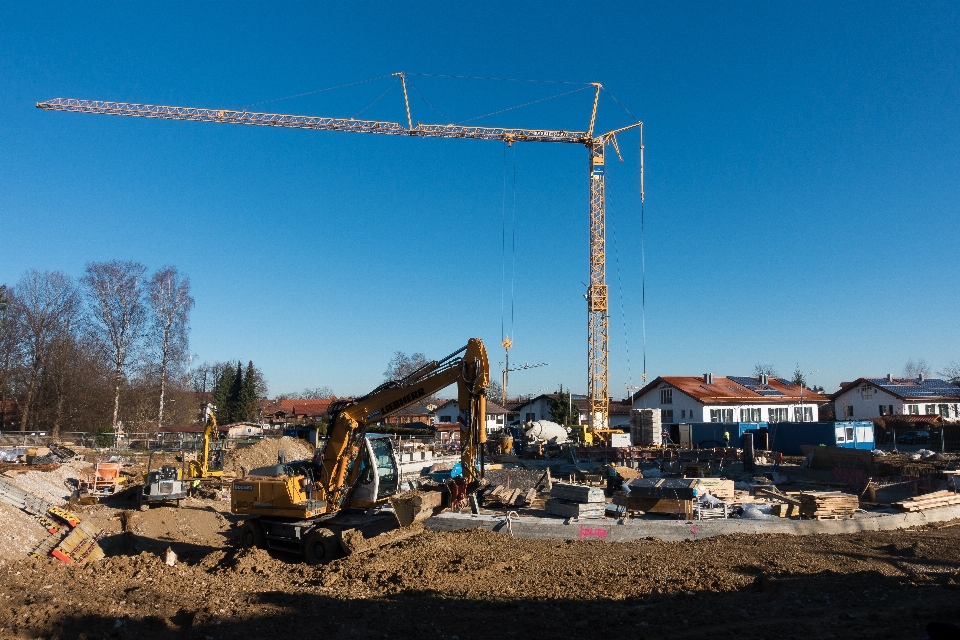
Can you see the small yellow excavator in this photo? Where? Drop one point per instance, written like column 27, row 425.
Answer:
column 210, row 462
column 332, row 504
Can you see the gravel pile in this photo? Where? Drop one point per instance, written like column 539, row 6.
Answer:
column 54, row 486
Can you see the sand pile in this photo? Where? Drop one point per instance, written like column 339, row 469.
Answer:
column 54, row 486
column 264, row 453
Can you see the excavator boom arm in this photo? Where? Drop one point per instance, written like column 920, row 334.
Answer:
column 471, row 373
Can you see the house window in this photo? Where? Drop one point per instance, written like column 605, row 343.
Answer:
column 847, row 413
column 750, row 415
column 866, row 392
column 530, row 417
column 666, row 415
column 913, row 409
column 444, row 418
column 683, row 413
column 721, row 415
column 930, row 409
column 777, row 415
column 883, row 410
column 666, row 396
column 500, row 418
column 803, row 414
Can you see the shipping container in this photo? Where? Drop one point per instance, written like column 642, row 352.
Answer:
column 787, row 437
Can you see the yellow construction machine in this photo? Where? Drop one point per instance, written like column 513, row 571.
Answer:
column 333, row 503
column 210, row 462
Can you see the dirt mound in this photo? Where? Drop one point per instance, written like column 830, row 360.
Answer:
column 479, row 584
column 264, row 453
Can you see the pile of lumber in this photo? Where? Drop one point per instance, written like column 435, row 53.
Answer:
column 929, row 501
column 502, row 496
column 659, row 495
column 575, row 501
column 827, row 504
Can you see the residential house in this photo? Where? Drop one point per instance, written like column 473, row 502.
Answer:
column 415, row 416
column 289, row 411
column 449, row 412
column 869, row 398
column 710, row 398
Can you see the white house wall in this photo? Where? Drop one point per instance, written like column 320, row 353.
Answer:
column 865, row 409
column 688, row 409
column 452, row 411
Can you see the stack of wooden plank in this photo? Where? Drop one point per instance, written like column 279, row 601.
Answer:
column 929, row 501
column 575, row 501
column 659, row 495
column 501, row 495
column 827, row 504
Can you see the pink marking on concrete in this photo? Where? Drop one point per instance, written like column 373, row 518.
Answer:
column 593, row 532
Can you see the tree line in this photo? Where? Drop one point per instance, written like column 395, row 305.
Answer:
column 110, row 348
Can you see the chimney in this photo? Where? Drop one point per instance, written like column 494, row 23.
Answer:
column 764, row 380
column 708, row 378
column 889, row 377
column 920, row 377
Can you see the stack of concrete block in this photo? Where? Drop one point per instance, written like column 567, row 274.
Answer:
column 575, row 501
column 645, row 427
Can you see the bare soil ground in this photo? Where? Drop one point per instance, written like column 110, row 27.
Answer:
column 478, row 584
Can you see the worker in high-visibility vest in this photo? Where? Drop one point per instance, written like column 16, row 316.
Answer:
column 726, row 438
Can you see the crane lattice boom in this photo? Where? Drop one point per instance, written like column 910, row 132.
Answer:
column 597, row 314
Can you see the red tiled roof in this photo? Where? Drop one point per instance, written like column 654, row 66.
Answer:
column 726, row 391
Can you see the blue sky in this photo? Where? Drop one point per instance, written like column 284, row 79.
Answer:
column 802, row 180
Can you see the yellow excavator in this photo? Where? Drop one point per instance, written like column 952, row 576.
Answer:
column 210, row 462
column 323, row 507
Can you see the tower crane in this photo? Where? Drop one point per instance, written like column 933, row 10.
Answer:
column 596, row 296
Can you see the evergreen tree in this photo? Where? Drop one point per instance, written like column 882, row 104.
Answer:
column 560, row 410
column 248, row 395
column 221, row 394
column 236, row 389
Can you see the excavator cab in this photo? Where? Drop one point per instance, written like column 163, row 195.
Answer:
column 379, row 472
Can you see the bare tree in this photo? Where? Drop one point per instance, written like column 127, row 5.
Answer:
column 402, row 365
column 115, row 290
column 916, row 368
column 761, row 369
column 951, row 372
column 171, row 303
column 46, row 306
column 10, row 346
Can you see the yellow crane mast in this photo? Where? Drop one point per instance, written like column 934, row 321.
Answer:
column 597, row 313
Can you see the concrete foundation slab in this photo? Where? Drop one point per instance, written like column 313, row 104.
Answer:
column 614, row 530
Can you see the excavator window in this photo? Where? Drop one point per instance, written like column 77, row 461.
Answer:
column 386, row 467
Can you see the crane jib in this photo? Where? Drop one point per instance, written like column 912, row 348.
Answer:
column 407, row 399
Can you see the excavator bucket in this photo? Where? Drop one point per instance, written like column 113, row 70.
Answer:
column 414, row 506
column 410, row 508
column 352, row 540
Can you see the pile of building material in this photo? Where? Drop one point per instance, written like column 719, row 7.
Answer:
column 70, row 540
column 827, row 504
column 660, row 495
column 575, row 501
column 500, row 495
column 929, row 501
column 645, row 427
column 719, row 488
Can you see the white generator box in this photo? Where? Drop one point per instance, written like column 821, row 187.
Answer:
column 619, row 439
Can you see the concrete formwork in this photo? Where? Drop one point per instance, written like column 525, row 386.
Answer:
column 614, row 530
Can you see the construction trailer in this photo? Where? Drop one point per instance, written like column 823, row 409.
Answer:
column 787, row 437
column 781, row 437
column 706, row 435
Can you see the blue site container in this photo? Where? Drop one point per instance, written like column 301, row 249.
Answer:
column 710, row 434
column 787, row 437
